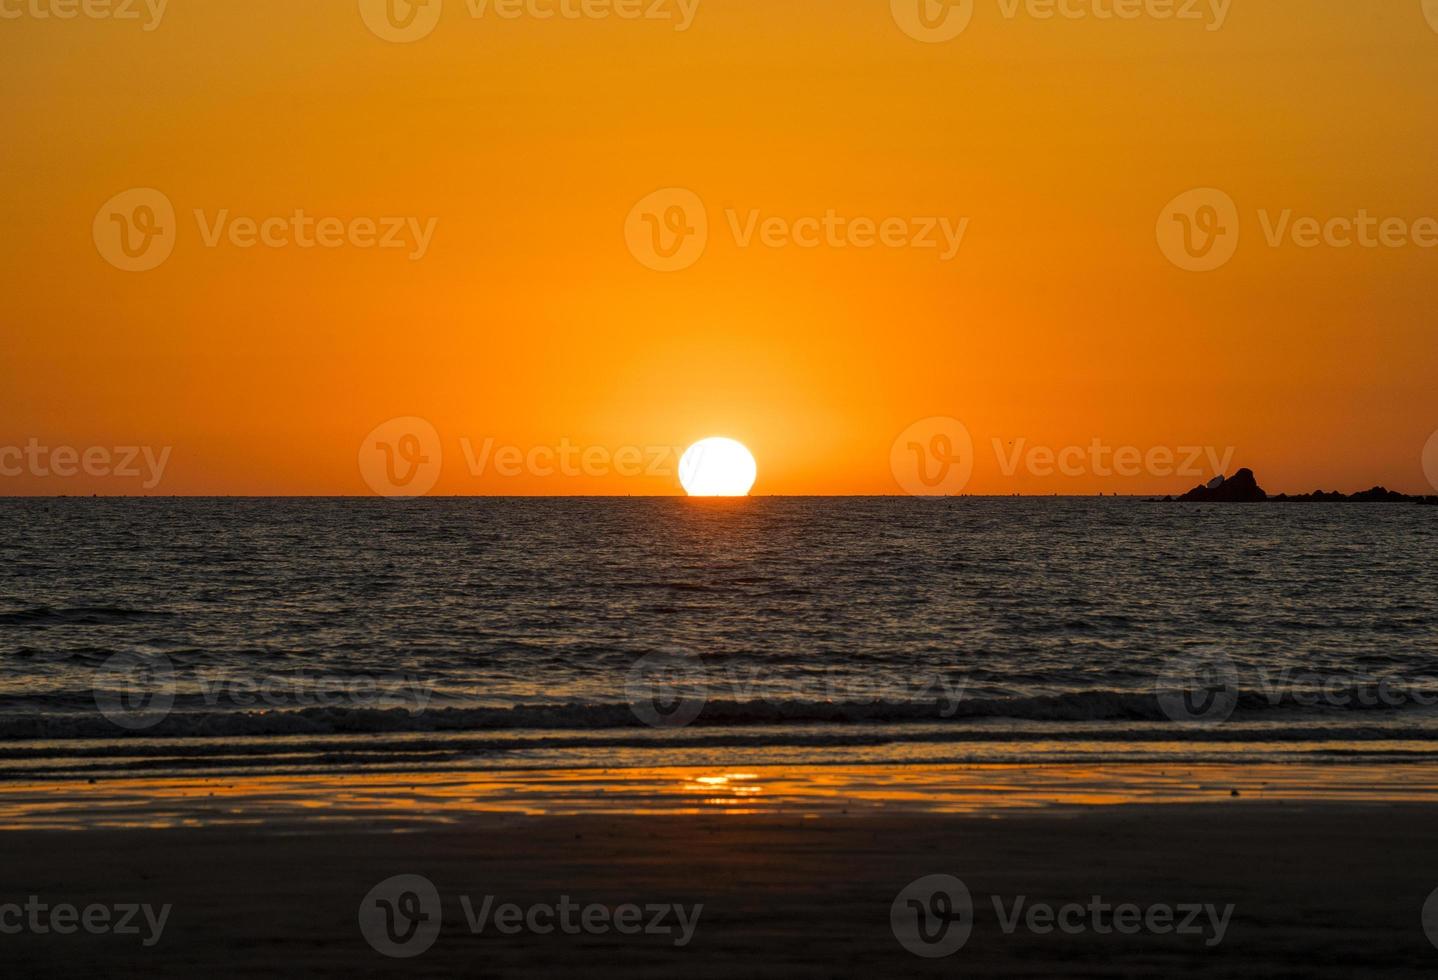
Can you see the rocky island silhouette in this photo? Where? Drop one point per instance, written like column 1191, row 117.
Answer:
column 1243, row 488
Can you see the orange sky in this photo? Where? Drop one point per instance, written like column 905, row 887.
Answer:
column 528, row 321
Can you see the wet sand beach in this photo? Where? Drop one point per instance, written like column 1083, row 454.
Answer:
column 1298, row 882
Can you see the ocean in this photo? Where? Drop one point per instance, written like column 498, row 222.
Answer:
column 159, row 636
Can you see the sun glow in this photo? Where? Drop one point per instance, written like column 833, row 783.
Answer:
column 717, row 467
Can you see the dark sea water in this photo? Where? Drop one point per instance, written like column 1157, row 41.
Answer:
column 275, row 635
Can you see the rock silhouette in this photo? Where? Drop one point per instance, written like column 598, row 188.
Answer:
column 1243, row 488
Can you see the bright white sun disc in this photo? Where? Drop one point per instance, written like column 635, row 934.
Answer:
column 717, row 467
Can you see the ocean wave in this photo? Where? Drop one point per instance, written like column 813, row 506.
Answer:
column 1074, row 707
column 79, row 616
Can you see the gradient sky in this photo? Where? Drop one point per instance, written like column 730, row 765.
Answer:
column 528, row 321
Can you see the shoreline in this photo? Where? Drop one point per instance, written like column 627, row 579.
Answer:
column 394, row 800
column 1307, row 890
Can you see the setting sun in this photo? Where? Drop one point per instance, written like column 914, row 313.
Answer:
column 717, row 467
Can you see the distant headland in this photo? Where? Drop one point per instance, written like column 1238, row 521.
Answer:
column 1243, row 488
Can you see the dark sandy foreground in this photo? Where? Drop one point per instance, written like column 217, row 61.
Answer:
column 1326, row 889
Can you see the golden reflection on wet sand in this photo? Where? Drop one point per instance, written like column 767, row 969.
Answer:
column 810, row 791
